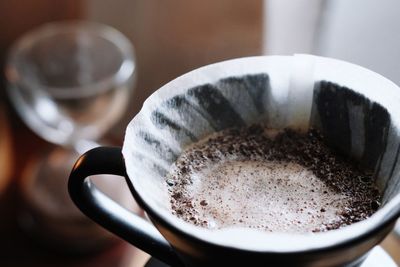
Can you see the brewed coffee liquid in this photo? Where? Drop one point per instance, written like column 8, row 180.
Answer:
column 278, row 182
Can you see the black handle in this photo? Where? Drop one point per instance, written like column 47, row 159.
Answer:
column 100, row 208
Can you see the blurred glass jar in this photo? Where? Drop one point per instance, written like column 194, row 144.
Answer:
column 70, row 82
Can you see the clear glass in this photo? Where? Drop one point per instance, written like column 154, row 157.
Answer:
column 70, row 82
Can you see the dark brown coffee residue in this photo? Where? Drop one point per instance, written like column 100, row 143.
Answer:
column 252, row 143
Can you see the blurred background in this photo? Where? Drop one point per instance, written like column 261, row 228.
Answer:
column 169, row 39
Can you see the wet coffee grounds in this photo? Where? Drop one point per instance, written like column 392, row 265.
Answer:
column 283, row 181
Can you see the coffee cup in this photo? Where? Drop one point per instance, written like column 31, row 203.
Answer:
column 355, row 109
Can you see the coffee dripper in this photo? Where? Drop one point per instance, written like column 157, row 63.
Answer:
column 355, row 109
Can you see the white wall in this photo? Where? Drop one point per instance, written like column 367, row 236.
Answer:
column 289, row 25
column 365, row 32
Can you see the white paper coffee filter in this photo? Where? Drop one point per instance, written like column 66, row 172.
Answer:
column 356, row 109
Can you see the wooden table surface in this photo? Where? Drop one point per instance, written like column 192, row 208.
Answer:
column 17, row 249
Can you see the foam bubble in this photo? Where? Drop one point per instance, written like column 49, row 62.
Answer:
column 273, row 196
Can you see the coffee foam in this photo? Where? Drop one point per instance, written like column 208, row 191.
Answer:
column 269, row 180
column 274, row 196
